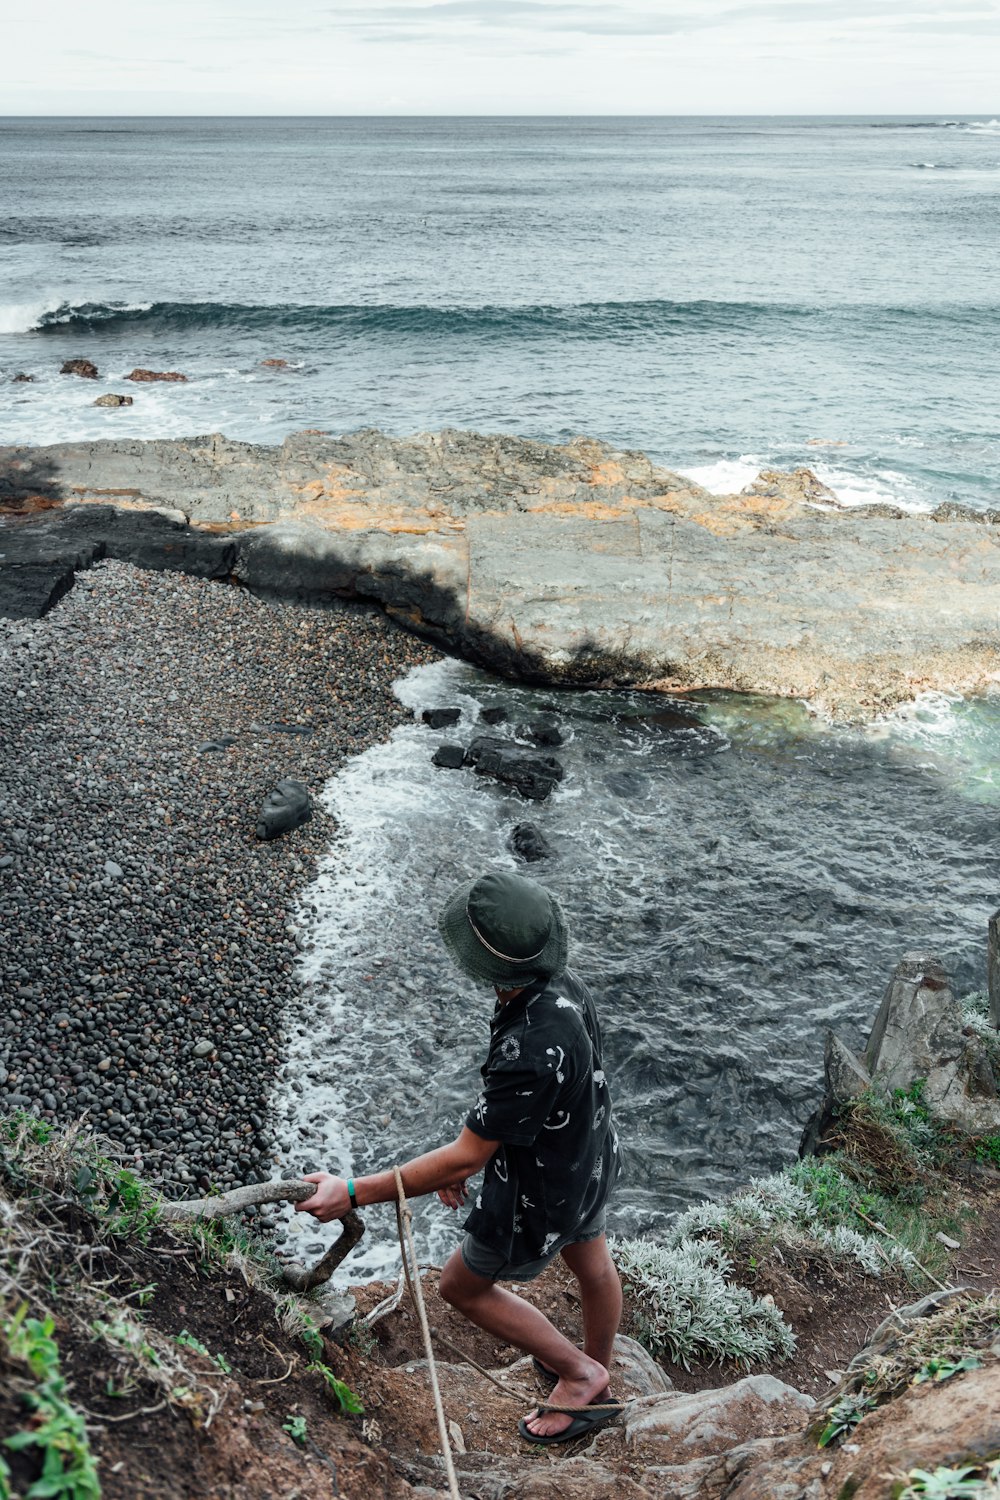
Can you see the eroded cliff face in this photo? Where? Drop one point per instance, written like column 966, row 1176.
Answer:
column 561, row 564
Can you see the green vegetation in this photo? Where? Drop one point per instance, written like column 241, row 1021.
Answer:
column 972, row 1482
column 295, row 1427
column 346, row 1399
column 843, row 1417
column 58, row 1430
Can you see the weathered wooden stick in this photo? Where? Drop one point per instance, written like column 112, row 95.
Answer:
column 302, row 1280
column 224, row 1204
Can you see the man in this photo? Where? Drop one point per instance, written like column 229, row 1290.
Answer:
column 542, row 1129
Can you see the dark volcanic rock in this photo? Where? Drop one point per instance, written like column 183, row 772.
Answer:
column 493, row 714
column 148, row 375
column 42, row 553
column 440, row 718
column 22, row 379
column 534, row 776
column 285, row 808
column 528, row 842
column 451, row 757
column 111, row 399
column 80, row 367
column 542, row 732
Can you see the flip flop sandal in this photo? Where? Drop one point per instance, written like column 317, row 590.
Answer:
column 587, row 1421
column 544, row 1373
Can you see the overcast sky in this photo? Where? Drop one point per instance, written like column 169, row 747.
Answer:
column 501, row 57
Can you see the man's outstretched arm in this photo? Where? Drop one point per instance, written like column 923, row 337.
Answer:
column 443, row 1168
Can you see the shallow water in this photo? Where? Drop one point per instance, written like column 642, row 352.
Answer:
column 732, row 889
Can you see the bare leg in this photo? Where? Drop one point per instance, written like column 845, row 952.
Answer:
column 581, row 1378
column 600, row 1296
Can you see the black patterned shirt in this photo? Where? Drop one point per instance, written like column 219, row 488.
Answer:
column 545, row 1098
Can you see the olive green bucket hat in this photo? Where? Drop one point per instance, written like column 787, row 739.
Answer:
column 506, row 930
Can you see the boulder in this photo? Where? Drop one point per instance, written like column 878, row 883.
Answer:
column 529, row 843
column 920, row 1033
column 82, row 367
column 451, row 757
column 22, row 379
column 148, row 375
column 440, row 718
column 533, row 775
column 111, row 399
column 493, row 713
column 799, row 487
column 846, row 1076
column 284, row 808
column 542, row 731
column 698, row 1424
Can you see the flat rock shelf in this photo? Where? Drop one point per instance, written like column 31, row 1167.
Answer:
column 572, row 564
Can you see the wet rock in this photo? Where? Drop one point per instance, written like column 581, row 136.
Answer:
column 542, row 731
column 993, row 967
column 440, row 718
column 274, row 364
column 533, row 775
column 680, row 1427
column 285, row 808
column 82, row 367
column 22, row 379
column 920, row 1032
column 529, row 843
column 493, row 713
column 149, row 375
column 451, row 757
column 798, row 486
column 111, row 399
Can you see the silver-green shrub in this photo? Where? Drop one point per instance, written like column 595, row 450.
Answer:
column 686, row 1309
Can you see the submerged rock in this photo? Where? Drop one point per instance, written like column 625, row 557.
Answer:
column 542, row 731
column 22, row 379
column 285, row 808
column 493, row 713
column 111, row 399
column 529, row 843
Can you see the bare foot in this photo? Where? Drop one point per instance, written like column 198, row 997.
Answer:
column 593, row 1386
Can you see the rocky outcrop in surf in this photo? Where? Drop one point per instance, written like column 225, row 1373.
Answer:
column 578, row 563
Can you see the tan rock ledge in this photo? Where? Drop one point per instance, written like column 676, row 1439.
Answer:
column 578, row 563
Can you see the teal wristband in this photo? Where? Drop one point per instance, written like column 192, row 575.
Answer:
column 350, row 1192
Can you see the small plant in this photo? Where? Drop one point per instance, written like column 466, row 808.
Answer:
column 188, row 1341
column 944, row 1369
column 987, row 1150
column 946, row 1484
column 58, row 1429
column 844, row 1417
column 362, row 1338
column 347, row 1400
column 295, row 1427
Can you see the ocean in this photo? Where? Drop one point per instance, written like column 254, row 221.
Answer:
column 723, row 293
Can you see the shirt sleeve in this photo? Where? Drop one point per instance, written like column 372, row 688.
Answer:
column 518, row 1096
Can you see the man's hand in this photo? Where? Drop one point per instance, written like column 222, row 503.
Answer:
column 454, row 1195
column 330, row 1200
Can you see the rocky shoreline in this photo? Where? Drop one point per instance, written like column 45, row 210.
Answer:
column 147, row 952
column 575, row 564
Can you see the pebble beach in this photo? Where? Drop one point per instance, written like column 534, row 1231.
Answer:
column 148, row 953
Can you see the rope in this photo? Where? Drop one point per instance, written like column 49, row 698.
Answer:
column 404, row 1224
